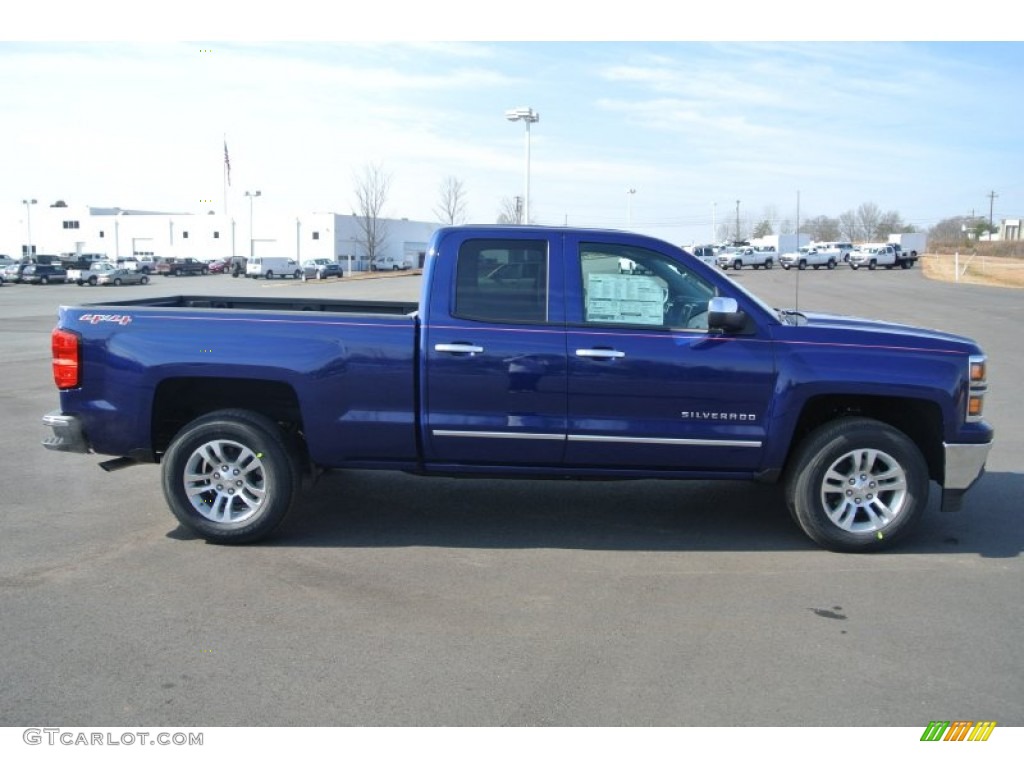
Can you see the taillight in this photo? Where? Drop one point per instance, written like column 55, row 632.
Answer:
column 65, row 346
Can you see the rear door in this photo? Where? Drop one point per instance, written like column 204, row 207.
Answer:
column 493, row 351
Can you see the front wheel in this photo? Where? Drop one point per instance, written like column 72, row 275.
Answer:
column 92, row 280
column 144, row 280
column 229, row 477
column 117, row 281
column 857, row 485
column 769, row 264
column 872, row 264
column 831, row 264
column 737, row 264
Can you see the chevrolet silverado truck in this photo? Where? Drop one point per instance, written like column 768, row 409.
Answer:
column 531, row 355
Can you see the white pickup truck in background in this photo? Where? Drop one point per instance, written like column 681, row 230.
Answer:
column 873, row 255
column 810, row 256
column 738, row 258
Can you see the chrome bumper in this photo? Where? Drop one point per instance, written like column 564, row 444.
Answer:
column 965, row 463
column 67, row 433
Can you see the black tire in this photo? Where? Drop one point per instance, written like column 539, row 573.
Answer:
column 857, row 485
column 769, row 264
column 872, row 264
column 831, row 264
column 269, row 275
column 92, row 280
column 144, row 280
column 802, row 265
column 44, row 280
column 737, row 264
column 298, row 274
column 259, row 466
column 117, row 281
column 177, row 273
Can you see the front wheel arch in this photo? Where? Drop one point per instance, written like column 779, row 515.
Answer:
column 857, row 484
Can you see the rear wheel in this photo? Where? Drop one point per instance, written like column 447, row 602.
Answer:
column 229, row 477
column 769, row 264
column 117, row 281
column 44, row 280
column 92, row 280
column 144, row 280
column 831, row 264
column 269, row 275
column 857, row 485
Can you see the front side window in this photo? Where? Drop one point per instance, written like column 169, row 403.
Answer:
column 625, row 285
column 502, row 281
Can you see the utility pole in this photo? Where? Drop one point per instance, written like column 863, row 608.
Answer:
column 991, row 203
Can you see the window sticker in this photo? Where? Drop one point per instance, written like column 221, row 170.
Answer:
column 634, row 299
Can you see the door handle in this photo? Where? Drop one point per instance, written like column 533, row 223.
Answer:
column 600, row 354
column 459, row 348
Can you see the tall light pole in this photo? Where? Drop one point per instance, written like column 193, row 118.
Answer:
column 28, row 218
column 737, row 221
column 252, row 243
column 527, row 115
column 629, row 198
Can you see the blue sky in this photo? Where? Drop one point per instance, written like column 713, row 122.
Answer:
column 926, row 129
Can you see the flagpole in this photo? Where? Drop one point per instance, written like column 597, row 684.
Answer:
column 224, row 174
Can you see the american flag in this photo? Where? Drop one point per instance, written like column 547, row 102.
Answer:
column 227, row 162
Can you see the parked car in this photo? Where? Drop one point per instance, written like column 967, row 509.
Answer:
column 144, row 264
column 122, row 276
column 41, row 274
column 219, row 266
column 88, row 274
column 272, row 266
column 873, row 255
column 12, row 272
column 737, row 258
column 384, row 263
column 705, row 253
column 178, row 267
column 809, row 256
column 322, row 268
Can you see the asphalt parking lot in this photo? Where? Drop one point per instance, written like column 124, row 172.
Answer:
column 396, row 600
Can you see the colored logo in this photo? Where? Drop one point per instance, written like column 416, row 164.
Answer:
column 958, row 730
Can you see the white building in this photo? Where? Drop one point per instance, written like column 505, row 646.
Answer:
column 120, row 232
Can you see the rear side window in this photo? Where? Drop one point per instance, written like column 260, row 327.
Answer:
column 502, row 281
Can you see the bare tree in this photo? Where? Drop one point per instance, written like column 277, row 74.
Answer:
column 372, row 187
column 891, row 223
column 869, row 216
column 821, row 228
column 451, row 207
column 511, row 210
column 850, row 227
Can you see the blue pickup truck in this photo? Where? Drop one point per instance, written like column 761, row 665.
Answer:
column 530, row 354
